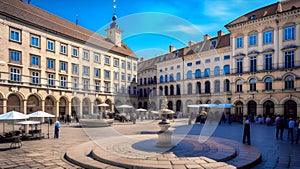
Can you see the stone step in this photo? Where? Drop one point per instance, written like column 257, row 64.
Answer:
column 79, row 155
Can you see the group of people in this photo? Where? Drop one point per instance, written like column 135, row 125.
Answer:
column 291, row 124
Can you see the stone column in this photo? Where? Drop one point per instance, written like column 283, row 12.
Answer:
column 25, row 106
column 80, row 109
column 57, row 110
column 259, row 110
column 92, row 107
column 276, row 47
column 280, row 62
column 43, row 105
column 4, row 106
column 69, row 108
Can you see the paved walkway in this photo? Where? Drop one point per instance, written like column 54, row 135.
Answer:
column 48, row 153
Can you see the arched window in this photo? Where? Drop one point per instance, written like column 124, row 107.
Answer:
column 226, row 69
column 207, row 87
column 207, row 72
column 198, row 73
column 178, row 76
column 145, row 93
column 171, row 90
column 161, row 90
column 217, row 86
column 166, row 90
column 171, row 77
column 268, row 83
column 289, row 82
column 252, row 84
column 239, row 86
column 189, row 74
column 226, row 85
column 190, row 88
column 161, row 79
column 166, row 78
column 178, row 92
column 198, row 87
column 141, row 93
column 217, row 71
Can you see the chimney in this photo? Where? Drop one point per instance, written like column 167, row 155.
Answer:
column 191, row 43
column 220, row 33
column 206, row 37
column 171, row 48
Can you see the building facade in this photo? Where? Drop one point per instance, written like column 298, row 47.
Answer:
column 53, row 65
column 255, row 67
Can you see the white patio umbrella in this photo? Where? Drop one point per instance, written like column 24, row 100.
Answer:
column 41, row 114
column 154, row 112
column 102, row 105
column 141, row 110
column 12, row 115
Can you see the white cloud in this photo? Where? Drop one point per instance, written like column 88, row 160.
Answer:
column 219, row 9
column 195, row 29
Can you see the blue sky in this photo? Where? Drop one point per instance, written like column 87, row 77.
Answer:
column 150, row 26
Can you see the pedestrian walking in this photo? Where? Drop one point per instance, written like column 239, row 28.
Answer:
column 277, row 123
column 56, row 129
column 298, row 132
column 246, row 131
column 291, row 129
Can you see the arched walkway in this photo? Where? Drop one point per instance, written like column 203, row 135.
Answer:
column 75, row 107
column 14, row 103
column 86, row 107
column 290, row 109
column 268, row 108
column 33, row 104
column 50, row 106
column 63, row 108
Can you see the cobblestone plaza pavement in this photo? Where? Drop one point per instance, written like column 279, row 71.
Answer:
column 48, row 153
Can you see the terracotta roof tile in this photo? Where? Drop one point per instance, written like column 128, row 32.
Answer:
column 47, row 21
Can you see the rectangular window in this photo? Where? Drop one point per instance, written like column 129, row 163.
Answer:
column 35, row 79
column 198, row 62
column 50, row 64
column 116, row 75
column 172, row 68
column 239, row 65
column 107, row 60
column 63, row 48
column 253, row 64
column 50, row 45
column 289, row 59
column 15, row 56
column 86, row 70
column 97, row 86
column 217, row 59
column 85, row 55
column 63, row 81
column 207, row 60
column 97, row 73
column 213, row 44
column 63, row 66
column 106, row 87
column 226, row 57
column 75, row 70
column 253, row 40
column 75, row 83
column 51, row 79
column 107, row 74
column 75, row 52
column 123, row 77
column 34, row 40
column 289, row 33
column 116, row 62
column 189, row 64
column 97, row 58
column 239, row 42
column 123, row 64
column 268, row 62
column 15, row 35
column 86, row 84
column 134, row 67
column 268, row 37
column 128, row 65
column 166, row 69
column 128, row 77
column 15, row 74
column 35, row 60
column 178, row 66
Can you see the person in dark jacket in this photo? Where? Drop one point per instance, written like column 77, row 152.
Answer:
column 246, row 131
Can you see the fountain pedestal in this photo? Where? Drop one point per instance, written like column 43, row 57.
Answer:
column 164, row 135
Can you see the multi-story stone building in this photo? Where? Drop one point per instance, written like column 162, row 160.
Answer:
column 53, row 65
column 255, row 67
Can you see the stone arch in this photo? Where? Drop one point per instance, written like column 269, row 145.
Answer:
column 179, row 106
column 15, row 102
column 63, row 107
column 170, row 104
column 20, row 95
column 290, row 97
column 34, row 103
column 75, row 107
column 109, row 102
column 86, row 107
column 50, row 105
column 273, row 99
column 1, row 103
